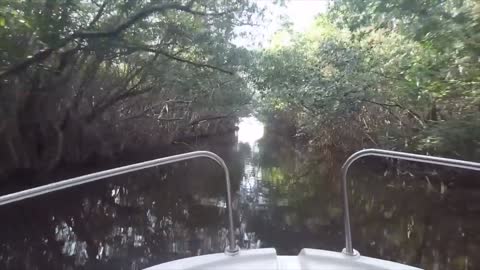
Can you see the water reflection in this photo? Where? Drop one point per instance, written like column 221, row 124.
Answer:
column 284, row 197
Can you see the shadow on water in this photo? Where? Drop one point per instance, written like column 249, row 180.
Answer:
column 285, row 198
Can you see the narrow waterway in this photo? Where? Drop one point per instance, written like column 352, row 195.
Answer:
column 285, row 196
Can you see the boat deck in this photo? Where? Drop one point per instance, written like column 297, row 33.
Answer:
column 267, row 259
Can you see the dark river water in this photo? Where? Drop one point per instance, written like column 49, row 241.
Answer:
column 285, row 196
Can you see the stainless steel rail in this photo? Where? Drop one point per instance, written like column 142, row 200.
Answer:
column 231, row 250
column 390, row 154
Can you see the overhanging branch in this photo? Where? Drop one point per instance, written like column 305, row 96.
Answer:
column 386, row 105
column 98, row 15
column 210, row 118
column 38, row 57
column 142, row 14
column 179, row 59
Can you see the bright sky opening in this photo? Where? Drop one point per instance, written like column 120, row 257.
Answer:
column 301, row 13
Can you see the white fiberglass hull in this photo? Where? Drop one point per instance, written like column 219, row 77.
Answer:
column 267, row 259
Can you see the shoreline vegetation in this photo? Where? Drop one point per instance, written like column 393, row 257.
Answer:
column 88, row 82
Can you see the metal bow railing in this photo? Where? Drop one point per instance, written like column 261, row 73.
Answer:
column 232, row 248
column 390, row 154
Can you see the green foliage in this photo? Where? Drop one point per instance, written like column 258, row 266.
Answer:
column 75, row 71
column 380, row 73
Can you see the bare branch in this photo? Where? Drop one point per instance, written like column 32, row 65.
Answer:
column 170, row 119
column 179, row 59
column 38, row 57
column 99, row 110
column 412, row 113
column 195, row 122
column 178, row 101
column 99, row 14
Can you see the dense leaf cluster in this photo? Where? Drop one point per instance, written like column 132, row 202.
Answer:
column 392, row 74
